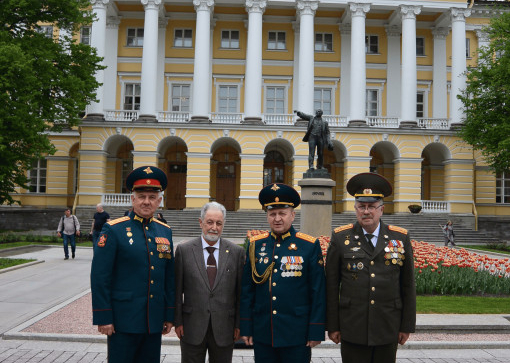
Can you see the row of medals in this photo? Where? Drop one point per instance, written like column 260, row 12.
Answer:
column 394, row 253
column 291, row 266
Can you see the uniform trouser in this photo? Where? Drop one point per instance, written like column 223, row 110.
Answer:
column 69, row 238
column 356, row 353
column 268, row 354
column 196, row 353
column 315, row 141
column 134, row 348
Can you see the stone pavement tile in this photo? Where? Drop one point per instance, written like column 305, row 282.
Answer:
column 55, row 345
column 326, row 352
column 52, row 357
column 97, row 347
column 172, row 358
column 64, row 357
column 76, row 357
column 100, row 358
column 411, row 353
column 499, row 353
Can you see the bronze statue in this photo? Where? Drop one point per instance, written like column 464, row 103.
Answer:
column 318, row 136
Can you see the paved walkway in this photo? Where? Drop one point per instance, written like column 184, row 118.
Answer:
column 30, row 293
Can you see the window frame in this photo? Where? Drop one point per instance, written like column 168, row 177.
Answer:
column 136, row 38
column 285, row 98
column 41, row 176
column 87, row 36
column 378, row 101
column 423, row 47
column 124, row 95
column 219, row 86
column 323, row 43
column 502, row 183
column 183, row 38
column 171, row 96
column 423, row 103
column 368, row 37
column 468, row 48
column 277, row 34
column 230, row 32
column 46, row 30
column 331, row 100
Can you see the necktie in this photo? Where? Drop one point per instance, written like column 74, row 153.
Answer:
column 369, row 239
column 211, row 266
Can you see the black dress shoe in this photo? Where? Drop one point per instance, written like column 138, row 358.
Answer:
column 73, row 254
column 66, row 258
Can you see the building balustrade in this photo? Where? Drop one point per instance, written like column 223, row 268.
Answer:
column 383, row 122
column 279, row 119
column 173, row 116
column 435, row 206
column 434, row 123
column 226, row 118
column 121, row 115
column 119, row 200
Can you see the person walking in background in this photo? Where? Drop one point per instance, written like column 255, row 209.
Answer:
column 371, row 294
column 283, row 298
column 160, row 218
column 208, row 272
column 132, row 277
column 98, row 221
column 449, row 236
column 69, row 228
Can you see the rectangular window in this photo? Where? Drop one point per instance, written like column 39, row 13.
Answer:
column 46, row 30
column 420, row 46
column 322, row 100
column 372, row 44
column 227, row 99
column 132, row 96
column 323, row 42
column 37, row 183
column 183, row 38
column 276, row 40
column 230, row 39
column 468, row 51
column 420, row 104
column 85, row 33
column 180, row 97
column 135, row 37
column 372, row 102
column 503, row 188
column 275, row 100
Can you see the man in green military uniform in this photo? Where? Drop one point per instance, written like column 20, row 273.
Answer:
column 132, row 276
column 370, row 265
column 283, row 307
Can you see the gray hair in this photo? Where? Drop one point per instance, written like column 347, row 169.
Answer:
column 213, row 205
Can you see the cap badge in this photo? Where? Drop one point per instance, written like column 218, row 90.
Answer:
column 148, row 180
column 276, row 199
column 367, row 191
column 275, row 187
column 148, row 170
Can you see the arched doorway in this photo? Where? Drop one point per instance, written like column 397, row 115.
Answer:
column 119, row 163
column 226, row 166
column 334, row 163
column 432, row 172
column 278, row 162
column 175, row 165
column 382, row 162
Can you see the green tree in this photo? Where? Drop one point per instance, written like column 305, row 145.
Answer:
column 45, row 82
column 487, row 98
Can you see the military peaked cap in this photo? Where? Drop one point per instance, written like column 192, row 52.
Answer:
column 278, row 195
column 146, row 178
column 369, row 187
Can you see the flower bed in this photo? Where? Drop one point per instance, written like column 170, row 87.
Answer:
column 448, row 271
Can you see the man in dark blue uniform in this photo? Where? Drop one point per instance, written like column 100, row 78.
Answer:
column 132, row 277
column 283, row 296
column 371, row 295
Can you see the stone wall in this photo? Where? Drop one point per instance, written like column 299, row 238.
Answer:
column 498, row 227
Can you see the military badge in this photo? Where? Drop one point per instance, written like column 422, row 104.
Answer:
column 130, row 241
column 102, row 240
column 292, row 246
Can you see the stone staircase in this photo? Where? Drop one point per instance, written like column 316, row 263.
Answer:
column 422, row 227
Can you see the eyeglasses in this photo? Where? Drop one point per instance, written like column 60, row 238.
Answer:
column 370, row 208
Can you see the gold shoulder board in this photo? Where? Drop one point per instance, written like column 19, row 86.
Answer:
column 343, row 228
column 118, row 220
column 259, row 236
column 163, row 224
column 397, row 229
column 306, row 237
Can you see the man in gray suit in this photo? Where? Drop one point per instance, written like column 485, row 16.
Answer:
column 208, row 273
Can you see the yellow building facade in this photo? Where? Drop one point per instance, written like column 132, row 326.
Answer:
column 206, row 91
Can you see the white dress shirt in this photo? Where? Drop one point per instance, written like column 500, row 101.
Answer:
column 216, row 251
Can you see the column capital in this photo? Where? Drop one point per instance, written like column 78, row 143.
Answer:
column 409, row 11
column 256, row 6
column 201, row 5
column 459, row 14
column 307, row 7
column 345, row 28
column 393, row 31
column 359, row 9
column 162, row 23
column 482, row 35
column 151, row 4
column 440, row 33
column 112, row 22
column 99, row 4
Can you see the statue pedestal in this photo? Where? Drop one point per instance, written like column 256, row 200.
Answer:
column 316, row 206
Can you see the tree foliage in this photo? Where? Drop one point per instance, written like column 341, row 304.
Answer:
column 487, row 98
column 45, row 83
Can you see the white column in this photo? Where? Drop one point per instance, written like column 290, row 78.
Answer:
column 160, row 77
column 358, row 62
column 458, row 63
column 98, row 41
column 149, row 60
column 393, row 72
column 110, row 58
column 483, row 38
column 306, row 12
column 201, row 72
column 295, row 71
column 409, row 76
column 439, row 78
column 253, row 87
column 345, row 69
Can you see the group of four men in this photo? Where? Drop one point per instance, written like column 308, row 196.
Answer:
column 279, row 295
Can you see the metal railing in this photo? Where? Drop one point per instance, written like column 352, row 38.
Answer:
column 435, row 206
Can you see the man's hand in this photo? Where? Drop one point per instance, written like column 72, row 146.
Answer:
column 78, row 233
column 247, row 340
column 237, row 334
column 167, row 326
column 334, row 336
column 312, row 343
column 179, row 331
column 59, row 235
column 106, row 329
column 402, row 338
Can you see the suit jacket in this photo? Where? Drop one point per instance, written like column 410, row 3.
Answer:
column 132, row 277
column 197, row 303
column 325, row 133
column 376, row 285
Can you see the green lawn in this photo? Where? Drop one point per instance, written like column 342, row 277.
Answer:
column 462, row 305
column 484, row 248
column 9, row 262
